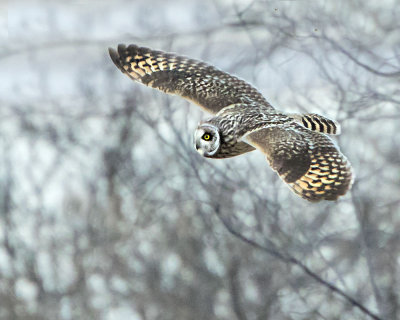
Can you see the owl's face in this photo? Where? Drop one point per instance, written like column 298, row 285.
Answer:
column 207, row 140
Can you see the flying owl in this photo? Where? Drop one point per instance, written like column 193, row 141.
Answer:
column 297, row 146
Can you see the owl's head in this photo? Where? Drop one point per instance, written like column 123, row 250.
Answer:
column 207, row 140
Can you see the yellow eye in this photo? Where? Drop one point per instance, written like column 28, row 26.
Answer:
column 206, row 136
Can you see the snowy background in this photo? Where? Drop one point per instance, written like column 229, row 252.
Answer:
column 108, row 212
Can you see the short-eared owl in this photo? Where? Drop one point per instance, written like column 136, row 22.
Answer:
column 296, row 145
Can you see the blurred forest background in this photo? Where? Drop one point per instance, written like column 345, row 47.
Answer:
column 107, row 211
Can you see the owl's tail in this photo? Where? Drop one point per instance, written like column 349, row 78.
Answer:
column 316, row 122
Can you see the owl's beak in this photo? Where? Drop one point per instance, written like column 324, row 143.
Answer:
column 197, row 146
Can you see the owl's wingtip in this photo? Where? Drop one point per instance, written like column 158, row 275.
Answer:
column 114, row 56
column 121, row 48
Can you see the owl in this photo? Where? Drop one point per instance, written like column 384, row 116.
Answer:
column 297, row 146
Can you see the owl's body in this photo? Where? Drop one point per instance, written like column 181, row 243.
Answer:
column 295, row 145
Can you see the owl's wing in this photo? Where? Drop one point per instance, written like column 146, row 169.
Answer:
column 309, row 162
column 194, row 80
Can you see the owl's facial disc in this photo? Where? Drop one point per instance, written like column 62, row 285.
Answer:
column 207, row 140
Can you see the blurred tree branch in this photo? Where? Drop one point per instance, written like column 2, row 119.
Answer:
column 271, row 250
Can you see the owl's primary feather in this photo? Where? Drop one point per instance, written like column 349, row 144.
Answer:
column 295, row 145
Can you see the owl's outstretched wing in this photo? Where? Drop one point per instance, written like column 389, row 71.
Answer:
column 309, row 162
column 194, row 80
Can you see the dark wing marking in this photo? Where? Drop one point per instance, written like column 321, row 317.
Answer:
column 194, row 80
column 309, row 162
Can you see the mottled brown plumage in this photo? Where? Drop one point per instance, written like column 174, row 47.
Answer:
column 210, row 88
column 296, row 145
column 309, row 162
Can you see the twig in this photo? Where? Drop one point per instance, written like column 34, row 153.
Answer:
column 296, row 262
column 395, row 74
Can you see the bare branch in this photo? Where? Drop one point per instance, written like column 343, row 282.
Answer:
column 292, row 260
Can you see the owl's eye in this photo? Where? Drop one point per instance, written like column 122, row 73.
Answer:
column 206, row 136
